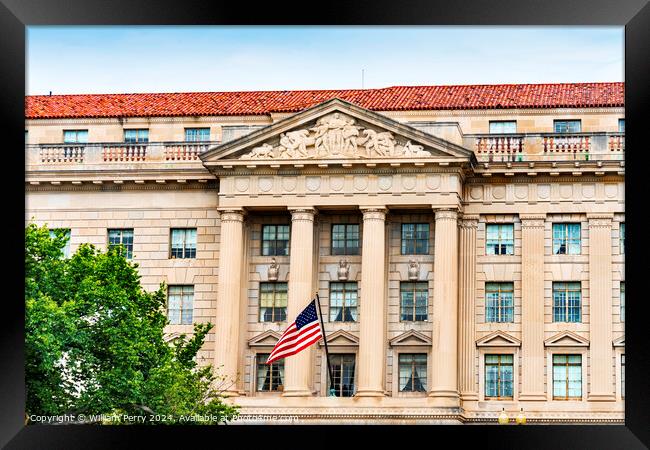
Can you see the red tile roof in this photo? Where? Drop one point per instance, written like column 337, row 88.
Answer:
column 396, row 98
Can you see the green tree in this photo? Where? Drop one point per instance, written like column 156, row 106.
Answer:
column 95, row 341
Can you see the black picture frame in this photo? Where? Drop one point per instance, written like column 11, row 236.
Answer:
column 16, row 14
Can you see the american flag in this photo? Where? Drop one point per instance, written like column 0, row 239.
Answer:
column 302, row 333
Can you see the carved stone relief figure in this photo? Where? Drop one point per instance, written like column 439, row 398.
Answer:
column 414, row 270
column 344, row 270
column 274, row 269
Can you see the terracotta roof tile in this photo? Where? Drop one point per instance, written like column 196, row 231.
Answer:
column 395, row 98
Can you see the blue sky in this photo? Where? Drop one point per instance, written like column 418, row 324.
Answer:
column 111, row 59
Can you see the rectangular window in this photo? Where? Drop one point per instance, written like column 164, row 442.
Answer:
column 503, row 126
column 621, row 125
column 273, row 302
column 412, row 372
column 345, row 239
column 197, row 134
column 75, row 136
column 343, row 374
column 269, row 376
column 183, row 243
column 566, row 239
column 275, row 240
column 123, row 237
column 415, row 239
column 180, row 305
column 231, row 132
column 413, row 301
column 567, row 377
column 500, row 239
column 499, row 377
column 623, row 376
column 566, row 302
column 567, row 126
column 622, row 301
column 499, row 302
column 622, row 237
column 343, row 302
column 66, row 233
column 136, row 136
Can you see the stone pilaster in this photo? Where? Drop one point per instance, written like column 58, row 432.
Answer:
column 298, row 367
column 532, row 307
column 372, row 305
column 466, row 308
column 226, row 351
column 444, row 355
column 600, row 308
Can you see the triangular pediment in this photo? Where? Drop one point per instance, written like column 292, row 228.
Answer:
column 266, row 339
column 332, row 131
column 340, row 338
column 619, row 342
column 410, row 337
column 566, row 339
column 498, row 339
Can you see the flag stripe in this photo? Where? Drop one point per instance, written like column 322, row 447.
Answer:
column 303, row 332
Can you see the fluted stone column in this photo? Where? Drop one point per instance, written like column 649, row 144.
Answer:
column 466, row 308
column 372, row 309
column 600, row 308
column 532, row 307
column 444, row 360
column 226, row 351
column 298, row 370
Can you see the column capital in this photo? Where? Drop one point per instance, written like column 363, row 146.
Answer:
column 231, row 214
column 302, row 213
column 532, row 220
column 446, row 214
column 374, row 212
column 468, row 221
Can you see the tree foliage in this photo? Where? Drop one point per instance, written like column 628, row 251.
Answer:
column 95, row 341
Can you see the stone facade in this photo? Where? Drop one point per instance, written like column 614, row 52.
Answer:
column 318, row 168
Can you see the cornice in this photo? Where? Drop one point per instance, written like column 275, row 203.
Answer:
column 502, row 112
column 127, row 185
column 221, row 120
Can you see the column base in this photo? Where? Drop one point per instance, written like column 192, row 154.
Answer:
column 533, row 397
column 469, row 396
column 601, row 397
column 298, row 393
column 445, row 398
column 370, row 393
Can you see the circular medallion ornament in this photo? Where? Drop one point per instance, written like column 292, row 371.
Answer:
column 476, row 192
column 336, row 183
column 544, row 191
column 312, row 183
column 360, row 183
column 521, row 191
column 385, row 182
column 433, row 182
column 408, row 182
column 265, row 184
column 289, row 183
column 499, row 192
column 241, row 184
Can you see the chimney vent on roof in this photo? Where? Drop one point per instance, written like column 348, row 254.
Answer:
column 50, row 93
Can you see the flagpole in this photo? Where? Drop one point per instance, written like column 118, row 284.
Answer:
column 327, row 353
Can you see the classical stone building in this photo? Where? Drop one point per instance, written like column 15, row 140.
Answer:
column 466, row 242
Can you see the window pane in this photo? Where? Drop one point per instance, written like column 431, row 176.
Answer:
column 500, row 127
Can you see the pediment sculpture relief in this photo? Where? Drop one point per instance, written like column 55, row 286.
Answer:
column 336, row 136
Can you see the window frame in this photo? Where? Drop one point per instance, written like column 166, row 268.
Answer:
column 499, row 376
column 184, row 248
column 415, row 239
column 621, row 122
column 621, row 238
column 275, row 240
column 68, row 234
column 182, row 303
column 413, row 363
column 502, row 122
column 76, row 134
column 565, row 239
column 198, row 131
column 138, row 138
column 418, row 287
column 129, row 251
column 565, row 307
column 500, row 306
column 566, row 376
column 344, row 306
column 277, row 365
column 330, row 383
column 557, row 122
column 621, row 298
column 347, row 250
column 502, row 242
column 275, row 292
